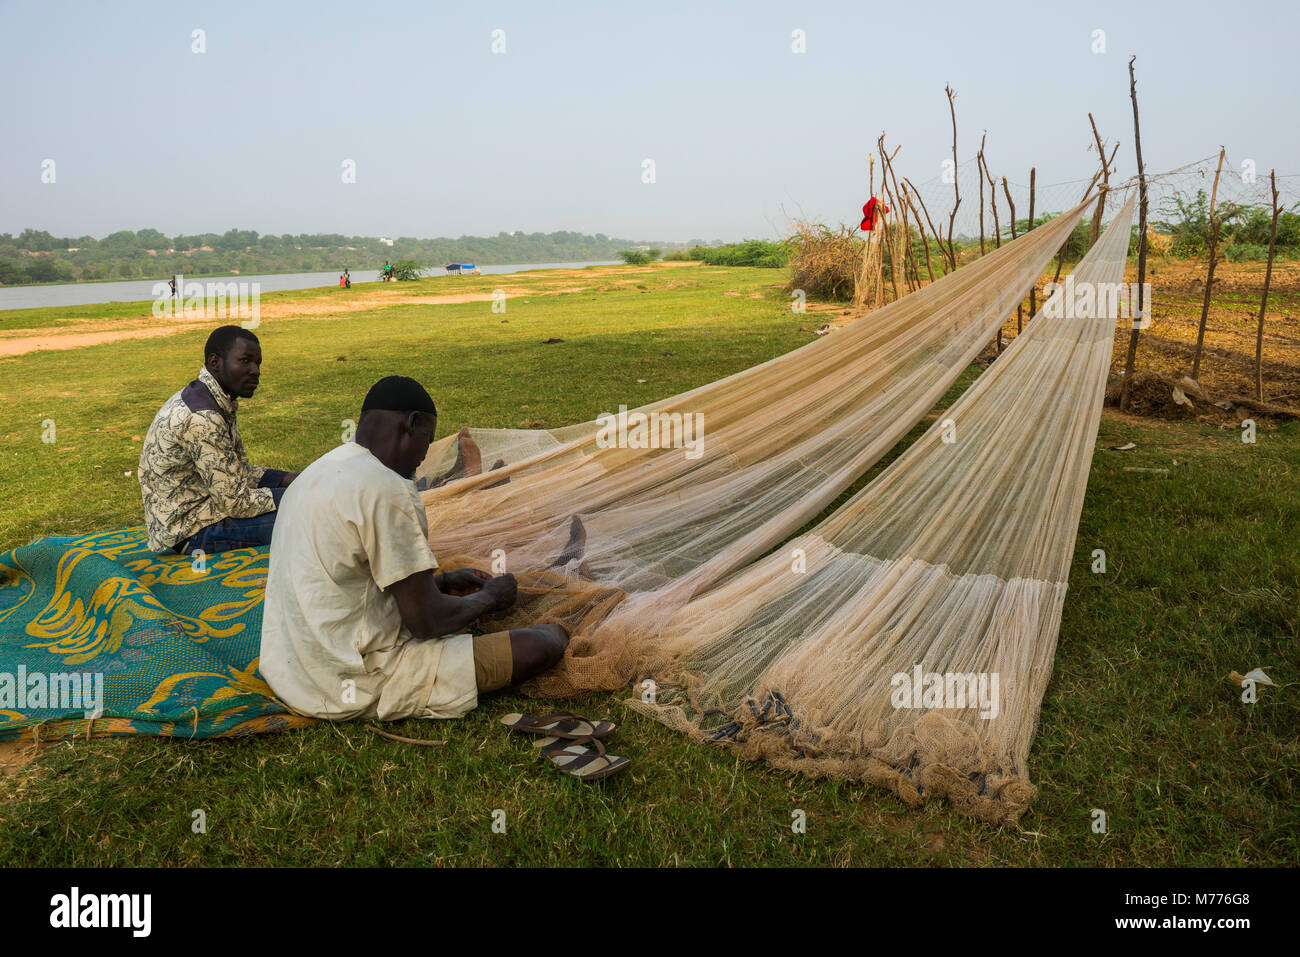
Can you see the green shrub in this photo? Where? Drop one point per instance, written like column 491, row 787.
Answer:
column 751, row 252
column 1244, row 252
column 407, row 269
column 635, row 257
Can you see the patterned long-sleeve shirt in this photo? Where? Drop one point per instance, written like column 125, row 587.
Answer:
column 193, row 467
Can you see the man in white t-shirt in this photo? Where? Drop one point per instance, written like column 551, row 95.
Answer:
column 357, row 621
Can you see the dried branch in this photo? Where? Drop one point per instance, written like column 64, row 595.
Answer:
column 979, row 178
column 1126, row 390
column 907, row 228
column 993, row 201
column 921, row 229
column 1209, row 277
column 1263, row 302
column 1033, row 290
column 1011, row 203
column 952, row 217
column 938, row 233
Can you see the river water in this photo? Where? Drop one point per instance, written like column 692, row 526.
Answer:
column 142, row 290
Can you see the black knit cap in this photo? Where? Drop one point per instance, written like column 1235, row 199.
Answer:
column 398, row 393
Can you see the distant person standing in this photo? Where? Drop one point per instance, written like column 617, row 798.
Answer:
column 172, row 282
column 347, row 278
column 388, row 270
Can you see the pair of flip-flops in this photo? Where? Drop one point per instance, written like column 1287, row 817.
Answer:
column 575, row 744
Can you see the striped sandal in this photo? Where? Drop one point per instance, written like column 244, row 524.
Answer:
column 574, row 757
column 560, row 724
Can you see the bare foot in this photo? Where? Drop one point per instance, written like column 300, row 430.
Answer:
column 575, row 548
column 469, row 460
column 499, row 464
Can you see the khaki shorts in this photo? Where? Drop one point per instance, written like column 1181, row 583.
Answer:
column 493, row 661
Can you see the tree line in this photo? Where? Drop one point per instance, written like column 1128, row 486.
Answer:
column 37, row 256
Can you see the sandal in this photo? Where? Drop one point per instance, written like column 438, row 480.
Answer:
column 560, row 724
column 574, row 757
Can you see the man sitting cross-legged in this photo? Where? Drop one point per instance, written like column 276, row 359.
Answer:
column 198, row 488
column 357, row 623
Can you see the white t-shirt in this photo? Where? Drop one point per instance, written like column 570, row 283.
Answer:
column 333, row 644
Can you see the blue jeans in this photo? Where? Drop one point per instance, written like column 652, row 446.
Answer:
column 238, row 532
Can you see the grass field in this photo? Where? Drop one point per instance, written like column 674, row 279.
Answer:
column 1139, row 720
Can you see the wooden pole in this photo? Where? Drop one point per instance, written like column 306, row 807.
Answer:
column 938, row 233
column 1209, row 276
column 1019, row 307
column 929, row 266
column 979, row 176
column 952, row 217
column 993, row 201
column 1060, row 254
column 907, row 226
column 889, row 246
column 865, row 273
column 1263, row 302
column 1033, row 290
column 1126, row 391
column 1105, row 172
column 1101, row 196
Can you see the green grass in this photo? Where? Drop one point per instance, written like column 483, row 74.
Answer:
column 1139, row 720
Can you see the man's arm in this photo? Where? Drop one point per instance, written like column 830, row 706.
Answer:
column 429, row 613
column 461, row 582
column 222, row 471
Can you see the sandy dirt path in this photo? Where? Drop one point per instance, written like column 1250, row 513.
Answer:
column 83, row 333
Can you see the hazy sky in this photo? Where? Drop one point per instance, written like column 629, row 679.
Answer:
column 450, row 138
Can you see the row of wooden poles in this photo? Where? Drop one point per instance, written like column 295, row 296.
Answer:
column 909, row 204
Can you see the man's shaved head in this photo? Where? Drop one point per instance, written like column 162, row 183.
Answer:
column 398, row 420
column 398, row 393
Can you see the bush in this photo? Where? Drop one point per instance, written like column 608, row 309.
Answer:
column 1187, row 221
column 682, row 256
column 1243, row 233
column 634, row 257
column 407, row 269
column 1243, row 252
column 751, row 252
column 825, row 263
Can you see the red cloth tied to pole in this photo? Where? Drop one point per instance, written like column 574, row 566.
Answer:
column 869, row 214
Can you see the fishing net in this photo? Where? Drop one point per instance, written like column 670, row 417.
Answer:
column 610, row 535
column 907, row 640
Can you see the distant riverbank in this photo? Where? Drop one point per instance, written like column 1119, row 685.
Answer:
column 139, row 290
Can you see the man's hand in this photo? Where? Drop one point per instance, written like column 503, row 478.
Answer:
column 503, row 589
column 462, row 581
column 428, row 612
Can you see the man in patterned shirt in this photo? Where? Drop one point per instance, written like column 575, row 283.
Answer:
column 199, row 490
